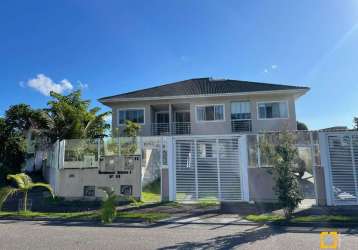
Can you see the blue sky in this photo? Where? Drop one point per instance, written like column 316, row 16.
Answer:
column 108, row 47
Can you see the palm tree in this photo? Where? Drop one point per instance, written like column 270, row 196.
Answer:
column 24, row 185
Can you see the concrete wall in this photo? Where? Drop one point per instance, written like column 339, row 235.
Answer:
column 72, row 181
column 320, row 186
column 215, row 127
column 261, row 184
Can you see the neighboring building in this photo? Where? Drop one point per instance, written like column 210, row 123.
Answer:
column 335, row 129
column 206, row 106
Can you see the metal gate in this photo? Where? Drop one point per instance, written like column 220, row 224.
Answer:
column 208, row 168
column 342, row 167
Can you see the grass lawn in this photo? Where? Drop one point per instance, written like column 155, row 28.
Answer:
column 91, row 215
column 151, row 192
column 150, row 197
column 302, row 219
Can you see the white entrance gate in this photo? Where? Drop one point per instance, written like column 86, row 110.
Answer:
column 339, row 156
column 210, row 167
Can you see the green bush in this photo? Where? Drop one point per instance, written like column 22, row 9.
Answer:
column 284, row 156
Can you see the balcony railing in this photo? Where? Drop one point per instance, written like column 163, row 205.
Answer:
column 181, row 128
column 160, row 128
column 241, row 125
column 174, row 128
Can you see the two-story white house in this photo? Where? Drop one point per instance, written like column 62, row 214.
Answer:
column 207, row 106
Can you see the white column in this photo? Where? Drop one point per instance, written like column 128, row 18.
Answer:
column 243, row 161
column 218, row 167
column 196, row 169
column 171, row 168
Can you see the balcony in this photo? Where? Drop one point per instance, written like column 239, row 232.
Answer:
column 173, row 128
column 241, row 125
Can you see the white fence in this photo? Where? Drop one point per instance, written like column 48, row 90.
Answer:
column 216, row 167
column 339, row 153
column 209, row 167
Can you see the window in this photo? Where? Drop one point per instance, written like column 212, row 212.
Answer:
column 240, row 111
column 210, row 113
column 272, row 110
column 89, row 191
column 134, row 115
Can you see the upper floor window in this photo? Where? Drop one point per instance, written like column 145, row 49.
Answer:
column 134, row 115
column 272, row 110
column 210, row 112
column 240, row 111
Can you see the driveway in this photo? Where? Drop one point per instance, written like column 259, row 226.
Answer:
column 195, row 233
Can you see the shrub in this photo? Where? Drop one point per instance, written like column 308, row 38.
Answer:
column 283, row 156
column 108, row 209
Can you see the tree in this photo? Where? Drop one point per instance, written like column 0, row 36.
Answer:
column 301, row 126
column 12, row 150
column 284, row 155
column 69, row 117
column 24, row 185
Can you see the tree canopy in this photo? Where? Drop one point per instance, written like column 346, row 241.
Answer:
column 66, row 117
column 69, row 117
column 12, row 150
column 301, row 126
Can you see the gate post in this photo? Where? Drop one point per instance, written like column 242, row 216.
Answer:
column 325, row 162
column 243, row 164
column 171, row 167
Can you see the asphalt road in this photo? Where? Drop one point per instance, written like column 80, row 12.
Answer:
column 57, row 235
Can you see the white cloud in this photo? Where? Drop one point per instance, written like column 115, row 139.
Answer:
column 45, row 85
column 271, row 68
column 82, row 85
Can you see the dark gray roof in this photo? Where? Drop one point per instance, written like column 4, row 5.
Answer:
column 203, row 86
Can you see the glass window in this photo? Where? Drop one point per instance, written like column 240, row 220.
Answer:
column 240, row 110
column 210, row 113
column 272, row 110
column 134, row 115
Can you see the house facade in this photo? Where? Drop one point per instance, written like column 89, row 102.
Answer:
column 206, row 106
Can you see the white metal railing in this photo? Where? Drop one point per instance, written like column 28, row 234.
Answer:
column 174, row 128
column 161, row 128
column 241, row 125
column 181, row 128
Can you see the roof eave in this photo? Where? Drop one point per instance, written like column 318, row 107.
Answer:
column 296, row 92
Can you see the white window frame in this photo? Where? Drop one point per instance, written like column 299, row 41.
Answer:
column 275, row 118
column 206, row 105
column 241, row 101
column 125, row 109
